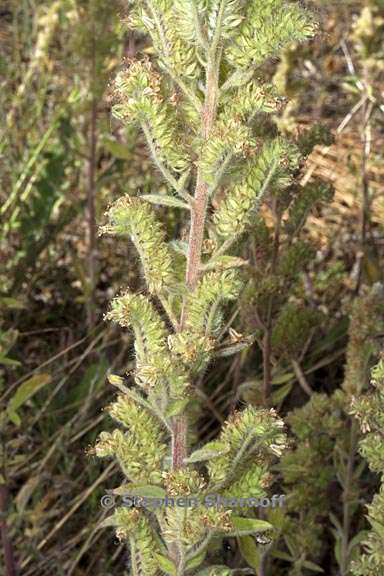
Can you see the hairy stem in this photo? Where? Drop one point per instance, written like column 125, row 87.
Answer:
column 196, row 237
column 199, row 207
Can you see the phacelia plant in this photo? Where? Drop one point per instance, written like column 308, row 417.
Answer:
column 203, row 108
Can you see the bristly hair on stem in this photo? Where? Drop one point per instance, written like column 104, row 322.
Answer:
column 198, row 103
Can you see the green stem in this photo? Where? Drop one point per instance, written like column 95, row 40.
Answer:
column 163, row 40
column 134, row 564
column 301, row 377
column 201, row 547
column 151, row 145
column 168, row 309
column 199, row 32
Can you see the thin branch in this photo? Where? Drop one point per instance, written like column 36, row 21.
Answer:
column 176, row 185
column 163, row 169
column 201, row 547
column 187, row 91
column 168, row 309
column 199, row 32
column 301, row 378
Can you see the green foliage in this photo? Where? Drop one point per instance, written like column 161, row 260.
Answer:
column 156, row 368
column 369, row 409
column 366, row 325
column 308, row 472
column 292, row 329
column 306, row 198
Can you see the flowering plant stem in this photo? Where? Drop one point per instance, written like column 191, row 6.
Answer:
column 196, row 236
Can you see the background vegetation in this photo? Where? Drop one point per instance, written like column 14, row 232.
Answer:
column 63, row 160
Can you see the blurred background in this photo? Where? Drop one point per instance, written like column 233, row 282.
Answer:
column 63, row 160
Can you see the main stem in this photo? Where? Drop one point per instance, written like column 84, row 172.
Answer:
column 196, row 237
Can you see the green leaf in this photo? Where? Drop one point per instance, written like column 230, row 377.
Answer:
column 196, row 561
column 107, row 522
column 166, row 565
column 281, row 393
column 25, row 493
column 233, row 348
column 238, row 78
column 146, row 490
column 248, row 526
column 92, row 380
column 12, row 303
column 116, row 380
column 164, row 200
column 377, row 526
column 5, row 361
column 215, row 570
column 179, row 246
column 213, row 450
column 312, row 566
column 224, row 263
column 118, row 150
column 282, row 378
column 357, row 539
column 176, row 407
column 24, row 392
column 282, row 555
column 250, row 551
